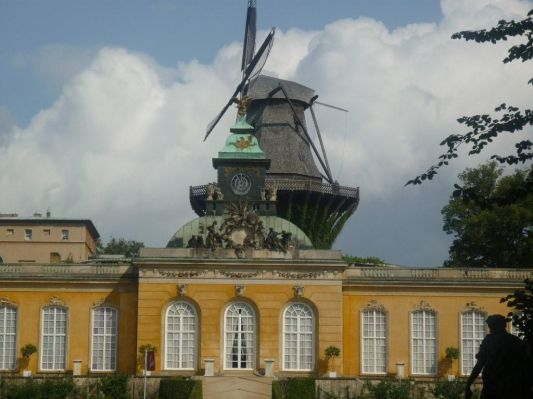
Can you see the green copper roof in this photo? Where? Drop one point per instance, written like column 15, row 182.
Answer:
column 242, row 143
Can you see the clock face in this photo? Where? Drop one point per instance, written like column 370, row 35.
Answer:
column 241, row 183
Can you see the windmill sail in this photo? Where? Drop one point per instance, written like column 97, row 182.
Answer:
column 253, row 69
column 249, row 35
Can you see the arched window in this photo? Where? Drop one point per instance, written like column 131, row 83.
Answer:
column 53, row 338
column 104, row 339
column 472, row 333
column 374, row 341
column 180, row 336
column 298, row 337
column 8, row 337
column 423, row 342
column 239, row 336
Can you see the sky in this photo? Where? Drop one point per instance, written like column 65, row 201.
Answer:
column 103, row 106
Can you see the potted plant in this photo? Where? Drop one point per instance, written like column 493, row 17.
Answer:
column 331, row 353
column 26, row 351
column 452, row 353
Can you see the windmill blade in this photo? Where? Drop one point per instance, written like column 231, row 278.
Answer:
column 331, row 106
column 254, row 67
column 249, row 35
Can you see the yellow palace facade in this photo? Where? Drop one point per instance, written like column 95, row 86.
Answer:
column 213, row 313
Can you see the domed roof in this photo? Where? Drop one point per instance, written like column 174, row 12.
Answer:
column 198, row 227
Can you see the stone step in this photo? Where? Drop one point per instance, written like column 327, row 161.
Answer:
column 237, row 387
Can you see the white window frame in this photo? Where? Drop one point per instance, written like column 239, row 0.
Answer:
column 299, row 335
column 8, row 361
column 253, row 341
column 374, row 339
column 476, row 342
column 28, row 234
column 54, row 335
column 108, row 338
column 426, row 359
column 181, row 333
column 65, row 235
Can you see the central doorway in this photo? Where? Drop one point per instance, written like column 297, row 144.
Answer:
column 239, row 337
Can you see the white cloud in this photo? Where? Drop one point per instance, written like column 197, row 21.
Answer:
column 124, row 140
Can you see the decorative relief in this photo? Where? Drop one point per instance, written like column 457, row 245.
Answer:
column 298, row 290
column 473, row 306
column 374, row 305
column 239, row 275
column 299, row 275
column 423, row 305
column 55, row 301
column 182, row 289
column 5, row 300
column 239, row 290
column 179, row 274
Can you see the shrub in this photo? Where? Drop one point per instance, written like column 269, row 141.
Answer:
column 114, row 386
column 388, row 390
column 180, row 388
column 448, row 389
column 301, row 388
column 48, row 389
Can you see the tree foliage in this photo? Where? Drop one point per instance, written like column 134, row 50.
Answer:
column 509, row 119
column 120, row 246
column 374, row 260
column 491, row 218
column 522, row 314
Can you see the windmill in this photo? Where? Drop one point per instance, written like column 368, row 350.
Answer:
column 307, row 196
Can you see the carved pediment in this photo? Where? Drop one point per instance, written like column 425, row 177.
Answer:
column 55, row 301
column 423, row 305
column 374, row 305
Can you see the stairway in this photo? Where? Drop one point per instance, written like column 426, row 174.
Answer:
column 237, row 387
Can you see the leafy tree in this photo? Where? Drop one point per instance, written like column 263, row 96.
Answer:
column 522, row 315
column 492, row 226
column 508, row 119
column 120, row 246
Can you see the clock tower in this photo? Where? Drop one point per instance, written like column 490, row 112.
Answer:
column 241, row 167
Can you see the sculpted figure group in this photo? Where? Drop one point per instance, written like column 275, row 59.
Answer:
column 244, row 219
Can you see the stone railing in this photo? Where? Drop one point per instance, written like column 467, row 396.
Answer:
column 61, row 270
column 386, row 273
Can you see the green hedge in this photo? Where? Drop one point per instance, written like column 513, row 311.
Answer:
column 115, row 386
column 180, row 388
column 47, row 389
column 291, row 388
column 388, row 389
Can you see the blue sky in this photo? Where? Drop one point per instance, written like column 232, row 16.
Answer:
column 103, row 106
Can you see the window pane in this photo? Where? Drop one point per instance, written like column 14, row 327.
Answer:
column 374, row 342
column 180, row 336
column 298, row 337
column 104, row 339
column 239, row 341
column 473, row 332
column 424, row 342
column 8, row 334
column 54, row 335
